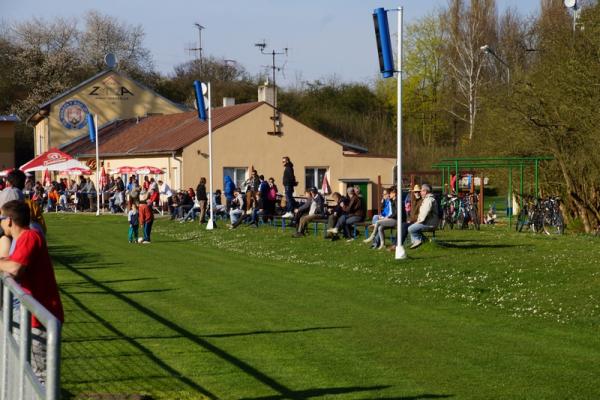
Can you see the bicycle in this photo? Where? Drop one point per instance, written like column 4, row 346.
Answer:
column 552, row 222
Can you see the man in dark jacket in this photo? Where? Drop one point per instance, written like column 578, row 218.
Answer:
column 289, row 181
column 202, row 198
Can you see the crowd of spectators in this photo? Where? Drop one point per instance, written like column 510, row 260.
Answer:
column 257, row 200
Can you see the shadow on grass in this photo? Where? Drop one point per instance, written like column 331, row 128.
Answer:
column 69, row 256
column 417, row 397
column 216, row 335
column 318, row 392
column 273, row 332
column 471, row 245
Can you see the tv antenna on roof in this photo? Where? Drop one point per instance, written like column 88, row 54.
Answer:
column 262, row 45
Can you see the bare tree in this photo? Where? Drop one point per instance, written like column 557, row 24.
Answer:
column 468, row 28
column 104, row 34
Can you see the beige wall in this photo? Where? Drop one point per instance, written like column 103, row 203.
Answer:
column 105, row 97
column 245, row 142
column 166, row 163
column 7, row 145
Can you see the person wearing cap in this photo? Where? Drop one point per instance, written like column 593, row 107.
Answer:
column 414, row 201
column 427, row 219
column 316, row 210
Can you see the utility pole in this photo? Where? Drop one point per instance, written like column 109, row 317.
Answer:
column 274, row 69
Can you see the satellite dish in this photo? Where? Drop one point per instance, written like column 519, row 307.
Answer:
column 570, row 3
column 111, row 61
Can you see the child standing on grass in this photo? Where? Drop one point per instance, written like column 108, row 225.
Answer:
column 146, row 219
column 134, row 224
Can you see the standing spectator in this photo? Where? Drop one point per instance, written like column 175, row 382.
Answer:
column 253, row 182
column 165, row 194
column 428, row 217
column 271, row 198
column 146, row 220
column 15, row 182
column 202, row 199
column 90, row 191
column 133, row 191
column 289, row 182
column 31, row 266
column 228, row 191
column 134, row 224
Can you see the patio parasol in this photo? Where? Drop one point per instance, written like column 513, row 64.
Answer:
column 147, row 170
column 123, row 170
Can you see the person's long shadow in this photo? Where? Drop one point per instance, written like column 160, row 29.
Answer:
column 417, row 397
column 67, row 256
column 471, row 245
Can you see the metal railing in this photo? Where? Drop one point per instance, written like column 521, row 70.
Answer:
column 17, row 378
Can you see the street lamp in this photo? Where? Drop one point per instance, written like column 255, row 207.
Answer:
column 488, row 50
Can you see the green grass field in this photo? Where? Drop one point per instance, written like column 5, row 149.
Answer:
column 256, row 314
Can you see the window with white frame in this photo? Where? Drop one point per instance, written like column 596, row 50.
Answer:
column 237, row 174
column 313, row 177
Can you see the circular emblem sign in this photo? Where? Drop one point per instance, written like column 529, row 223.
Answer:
column 72, row 114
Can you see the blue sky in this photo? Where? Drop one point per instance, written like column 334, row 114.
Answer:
column 325, row 38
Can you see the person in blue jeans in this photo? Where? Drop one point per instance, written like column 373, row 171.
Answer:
column 289, row 182
column 428, row 217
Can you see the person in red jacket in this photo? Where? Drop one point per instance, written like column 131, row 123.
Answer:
column 146, row 220
column 30, row 264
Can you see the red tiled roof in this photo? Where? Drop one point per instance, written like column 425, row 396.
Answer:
column 159, row 134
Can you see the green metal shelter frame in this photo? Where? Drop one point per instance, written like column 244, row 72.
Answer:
column 449, row 165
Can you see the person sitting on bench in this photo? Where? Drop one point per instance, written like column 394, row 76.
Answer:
column 428, row 217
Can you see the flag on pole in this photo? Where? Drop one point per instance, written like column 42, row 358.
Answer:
column 47, row 180
column 103, row 178
column 91, row 127
column 325, row 186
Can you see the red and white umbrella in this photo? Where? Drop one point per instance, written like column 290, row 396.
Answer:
column 6, row 172
column 76, row 171
column 52, row 160
column 147, row 170
column 123, row 170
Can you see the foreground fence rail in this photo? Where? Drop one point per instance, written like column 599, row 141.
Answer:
column 17, row 378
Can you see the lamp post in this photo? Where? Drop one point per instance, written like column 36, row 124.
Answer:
column 488, row 50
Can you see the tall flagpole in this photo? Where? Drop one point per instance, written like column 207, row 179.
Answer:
column 211, row 221
column 97, row 167
column 400, row 252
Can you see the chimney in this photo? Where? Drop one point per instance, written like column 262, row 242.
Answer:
column 268, row 94
column 228, row 101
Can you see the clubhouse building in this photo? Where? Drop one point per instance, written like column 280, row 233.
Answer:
column 138, row 127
